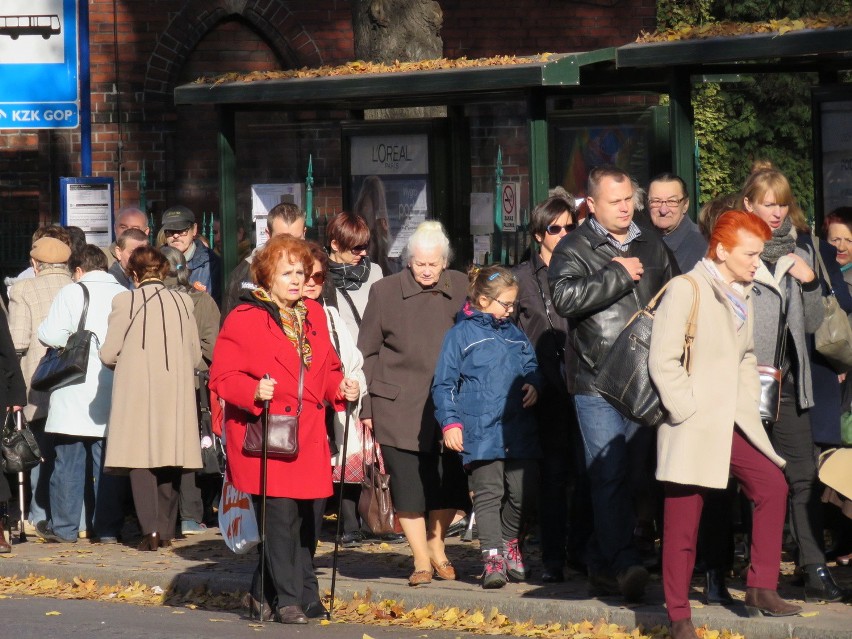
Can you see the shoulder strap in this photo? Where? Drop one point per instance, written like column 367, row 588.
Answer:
column 823, row 272
column 691, row 325
column 82, row 323
column 349, row 301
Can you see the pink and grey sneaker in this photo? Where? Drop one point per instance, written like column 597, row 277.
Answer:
column 514, row 560
column 494, row 575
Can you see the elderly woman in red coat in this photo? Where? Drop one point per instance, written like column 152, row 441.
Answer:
column 263, row 336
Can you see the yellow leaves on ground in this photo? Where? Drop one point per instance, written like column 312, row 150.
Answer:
column 722, row 29
column 360, row 67
column 52, row 613
column 390, row 612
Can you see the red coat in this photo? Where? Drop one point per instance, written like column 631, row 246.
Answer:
column 250, row 345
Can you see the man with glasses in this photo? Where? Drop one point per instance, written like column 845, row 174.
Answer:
column 668, row 202
column 283, row 219
column 205, row 267
column 550, row 221
column 600, row 275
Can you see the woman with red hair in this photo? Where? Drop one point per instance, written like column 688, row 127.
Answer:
column 275, row 332
column 713, row 428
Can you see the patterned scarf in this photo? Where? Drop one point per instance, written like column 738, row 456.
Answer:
column 349, row 277
column 782, row 242
column 292, row 320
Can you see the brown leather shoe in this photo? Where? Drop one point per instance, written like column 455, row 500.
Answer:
column 683, row 629
column 292, row 614
column 444, row 570
column 763, row 601
column 150, row 542
column 420, row 577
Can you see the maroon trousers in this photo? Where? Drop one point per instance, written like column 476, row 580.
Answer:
column 764, row 485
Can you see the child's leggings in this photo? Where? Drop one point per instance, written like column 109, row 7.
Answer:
column 504, row 495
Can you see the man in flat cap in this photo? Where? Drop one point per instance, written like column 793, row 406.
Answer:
column 205, row 267
column 29, row 302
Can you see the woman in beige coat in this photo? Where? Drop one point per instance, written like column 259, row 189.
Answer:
column 152, row 341
column 713, row 428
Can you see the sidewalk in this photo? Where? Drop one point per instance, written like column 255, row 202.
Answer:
column 204, row 560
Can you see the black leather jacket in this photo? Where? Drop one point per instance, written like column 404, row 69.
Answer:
column 598, row 296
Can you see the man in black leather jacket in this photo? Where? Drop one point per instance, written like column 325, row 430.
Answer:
column 599, row 276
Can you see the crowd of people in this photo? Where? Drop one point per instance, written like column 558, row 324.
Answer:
column 476, row 391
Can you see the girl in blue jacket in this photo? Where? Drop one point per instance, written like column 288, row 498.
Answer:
column 484, row 387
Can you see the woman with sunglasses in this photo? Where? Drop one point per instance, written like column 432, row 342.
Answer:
column 352, row 361
column 351, row 270
column 550, row 221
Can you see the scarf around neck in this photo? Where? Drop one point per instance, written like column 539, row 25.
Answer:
column 734, row 293
column 782, row 242
column 292, row 322
column 349, row 277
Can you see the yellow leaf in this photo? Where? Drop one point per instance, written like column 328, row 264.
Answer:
column 808, row 614
column 178, row 612
column 451, row 615
column 366, row 636
column 52, row 613
column 325, row 622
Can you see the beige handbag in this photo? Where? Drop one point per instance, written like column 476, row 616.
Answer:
column 835, row 470
column 833, row 339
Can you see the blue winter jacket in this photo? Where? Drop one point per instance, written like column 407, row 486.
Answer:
column 484, row 362
column 205, row 267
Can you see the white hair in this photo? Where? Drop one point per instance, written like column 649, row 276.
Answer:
column 428, row 234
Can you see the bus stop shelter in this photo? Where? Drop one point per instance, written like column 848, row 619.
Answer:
column 544, row 86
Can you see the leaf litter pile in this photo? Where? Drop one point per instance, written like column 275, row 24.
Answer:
column 727, row 29
column 359, row 609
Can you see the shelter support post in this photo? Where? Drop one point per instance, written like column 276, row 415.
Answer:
column 539, row 160
column 683, row 135
column 228, row 189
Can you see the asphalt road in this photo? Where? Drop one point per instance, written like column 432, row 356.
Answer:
column 36, row 618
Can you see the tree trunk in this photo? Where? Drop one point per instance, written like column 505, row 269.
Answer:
column 389, row 30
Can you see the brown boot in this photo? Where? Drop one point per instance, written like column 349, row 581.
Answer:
column 763, row 601
column 4, row 545
column 683, row 629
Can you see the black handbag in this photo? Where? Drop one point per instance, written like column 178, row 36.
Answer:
column 64, row 366
column 281, row 431
column 212, row 452
column 771, row 377
column 19, row 450
column 623, row 378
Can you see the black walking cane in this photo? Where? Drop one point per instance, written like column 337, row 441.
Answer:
column 349, row 406
column 263, row 457
column 22, row 535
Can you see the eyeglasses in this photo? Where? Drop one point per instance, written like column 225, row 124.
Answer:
column 556, row 229
column 506, row 305
column 672, row 202
column 318, row 277
column 361, row 248
column 181, row 233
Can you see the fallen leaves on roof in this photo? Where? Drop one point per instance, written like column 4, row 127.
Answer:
column 727, row 29
column 359, row 67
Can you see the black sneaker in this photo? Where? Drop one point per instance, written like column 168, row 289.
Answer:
column 45, row 532
column 632, row 582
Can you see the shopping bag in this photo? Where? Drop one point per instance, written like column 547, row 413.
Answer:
column 237, row 522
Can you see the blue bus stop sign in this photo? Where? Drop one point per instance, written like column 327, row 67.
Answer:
column 39, row 86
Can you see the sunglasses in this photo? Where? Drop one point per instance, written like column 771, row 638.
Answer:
column 556, row 229
column 361, row 248
column 317, row 278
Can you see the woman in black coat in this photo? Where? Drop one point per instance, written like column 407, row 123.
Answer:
column 13, row 395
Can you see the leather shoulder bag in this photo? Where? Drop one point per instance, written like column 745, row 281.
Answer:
column 770, row 376
column 280, row 431
column 64, row 366
column 833, row 339
column 623, row 378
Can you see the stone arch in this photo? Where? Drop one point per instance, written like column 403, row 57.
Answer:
column 273, row 19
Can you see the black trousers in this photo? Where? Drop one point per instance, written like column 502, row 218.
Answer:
column 155, row 495
column 792, row 438
column 290, row 542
